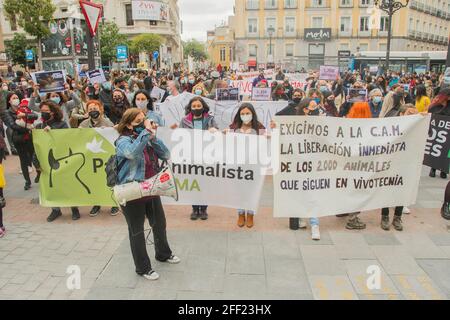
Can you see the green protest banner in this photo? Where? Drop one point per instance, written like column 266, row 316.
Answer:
column 73, row 166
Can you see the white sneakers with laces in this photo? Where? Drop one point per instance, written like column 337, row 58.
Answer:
column 152, row 275
column 173, row 260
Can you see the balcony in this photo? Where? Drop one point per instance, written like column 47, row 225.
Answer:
column 427, row 9
column 413, row 5
column 418, row 35
column 412, row 34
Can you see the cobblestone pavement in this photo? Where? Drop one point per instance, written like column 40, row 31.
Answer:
column 221, row 261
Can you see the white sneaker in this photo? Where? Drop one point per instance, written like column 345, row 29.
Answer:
column 303, row 224
column 173, row 260
column 152, row 275
column 406, row 210
column 315, row 232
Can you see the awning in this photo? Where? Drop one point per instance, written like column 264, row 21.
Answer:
column 252, row 63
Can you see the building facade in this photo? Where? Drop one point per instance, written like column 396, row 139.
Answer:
column 220, row 46
column 309, row 33
column 120, row 11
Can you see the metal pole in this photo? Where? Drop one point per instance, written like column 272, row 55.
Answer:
column 388, row 52
column 448, row 54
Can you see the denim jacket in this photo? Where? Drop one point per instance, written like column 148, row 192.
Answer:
column 152, row 115
column 130, row 156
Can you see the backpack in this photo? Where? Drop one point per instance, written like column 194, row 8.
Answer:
column 112, row 170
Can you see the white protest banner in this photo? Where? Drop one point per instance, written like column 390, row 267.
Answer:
column 328, row 73
column 268, row 74
column 157, row 93
column 96, row 76
column 150, row 10
column 245, row 87
column 174, row 111
column 330, row 166
column 261, row 94
column 216, row 169
column 300, row 77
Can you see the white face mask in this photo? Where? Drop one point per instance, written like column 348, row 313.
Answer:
column 24, row 84
column 5, row 88
column 247, row 118
column 15, row 102
column 142, row 104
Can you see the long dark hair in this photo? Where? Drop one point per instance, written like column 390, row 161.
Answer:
column 204, row 104
column 237, row 122
column 8, row 97
column 145, row 93
column 126, row 103
column 54, row 108
column 421, row 91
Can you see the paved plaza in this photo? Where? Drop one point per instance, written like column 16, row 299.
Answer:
column 222, row 261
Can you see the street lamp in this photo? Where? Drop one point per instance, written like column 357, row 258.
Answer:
column 270, row 31
column 390, row 7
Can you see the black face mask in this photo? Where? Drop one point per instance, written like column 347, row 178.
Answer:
column 46, row 116
column 197, row 112
column 139, row 128
column 297, row 100
column 94, row 114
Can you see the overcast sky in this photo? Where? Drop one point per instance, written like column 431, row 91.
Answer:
column 200, row 16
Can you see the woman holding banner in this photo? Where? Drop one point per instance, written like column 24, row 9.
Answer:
column 138, row 151
column 198, row 117
column 246, row 122
column 52, row 119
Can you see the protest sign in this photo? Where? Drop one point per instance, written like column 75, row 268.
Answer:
column 227, row 94
column 328, row 73
column 216, row 169
column 300, row 77
column 157, row 93
column 357, row 95
column 96, row 76
column 245, row 87
column 261, row 94
column 50, row 81
column 438, row 144
column 331, row 166
column 174, row 111
column 73, row 167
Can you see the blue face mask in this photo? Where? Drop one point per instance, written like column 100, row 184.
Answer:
column 317, row 100
column 191, row 81
column 198, row 92
column 323, row 89
column 377, row 100
column 56, row 100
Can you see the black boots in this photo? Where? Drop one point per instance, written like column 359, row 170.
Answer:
column 445, row 211
column 55, row 214
column 195, row 214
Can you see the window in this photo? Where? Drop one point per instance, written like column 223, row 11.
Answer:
column 317, row 22
column 289, row 25
column 252, row 4
column 290, row 4
column 289, row 50
column 364, row 24
column 344, row 46
column 252, row 49
column 346, row 3
column 364, row 47
column 129, row 15
column 271, row 24
column 223, row 54
column 271, row 4
column 346, row 25
column 252, row 25
column 318, row 3
column 384, row 24
column 365, row 3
